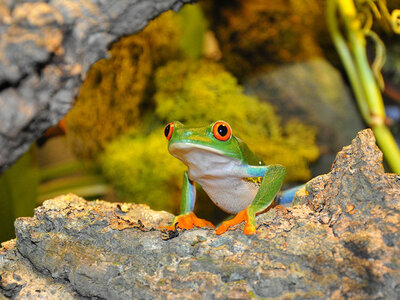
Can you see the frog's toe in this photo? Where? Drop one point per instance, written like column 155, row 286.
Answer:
column 187, row 221
column 249, row 228
column 202, row 223
column 222, row 228
column 184, row 222
column 172, row 227
column 239, row 218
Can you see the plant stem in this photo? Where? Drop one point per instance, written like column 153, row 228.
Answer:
column 347, row 59
column 365, row 87
column 388, row 144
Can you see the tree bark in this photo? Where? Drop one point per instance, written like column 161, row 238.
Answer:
column 46, row 49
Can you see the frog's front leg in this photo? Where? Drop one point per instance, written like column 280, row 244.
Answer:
column 271, row 183
column 187, row 219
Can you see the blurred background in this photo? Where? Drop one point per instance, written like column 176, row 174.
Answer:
column 272, row 69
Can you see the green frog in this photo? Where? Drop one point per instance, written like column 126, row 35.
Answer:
column 234, row 178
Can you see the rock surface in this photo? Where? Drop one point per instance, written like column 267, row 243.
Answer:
column 340, row 241
column 46, row 48
column 22, row 281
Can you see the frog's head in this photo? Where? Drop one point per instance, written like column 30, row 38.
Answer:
column 214, row 140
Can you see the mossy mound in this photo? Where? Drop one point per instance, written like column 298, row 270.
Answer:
column 108, row 101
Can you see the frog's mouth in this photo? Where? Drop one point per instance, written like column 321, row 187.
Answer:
column 197, row 154
column 186, row 149
column 202, row 161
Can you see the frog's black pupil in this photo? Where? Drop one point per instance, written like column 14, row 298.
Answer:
column 166, row 130
column 222, row 130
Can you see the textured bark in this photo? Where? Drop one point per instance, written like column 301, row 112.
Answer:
column 340, row 241
column 46, row 48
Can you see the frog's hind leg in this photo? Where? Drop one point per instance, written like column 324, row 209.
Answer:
column 270, row 186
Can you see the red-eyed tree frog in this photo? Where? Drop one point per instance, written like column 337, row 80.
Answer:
column 234, row 178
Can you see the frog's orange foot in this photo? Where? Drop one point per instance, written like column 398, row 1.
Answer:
column 242, row 216
column 171, row 227
column 187, row 221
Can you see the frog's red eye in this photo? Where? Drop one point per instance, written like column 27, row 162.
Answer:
column 222, row 131
column 168, row 130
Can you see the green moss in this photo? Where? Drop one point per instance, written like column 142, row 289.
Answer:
column 163, row 36
column 108, row 101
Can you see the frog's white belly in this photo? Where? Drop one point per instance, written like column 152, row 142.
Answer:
column 220, row 176
column 230, row 194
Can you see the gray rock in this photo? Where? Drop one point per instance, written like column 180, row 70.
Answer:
column 22, row 281
column 46, row 49
column 341, row 240
column 313, row 92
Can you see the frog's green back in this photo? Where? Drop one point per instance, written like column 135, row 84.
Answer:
column 248, row 155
